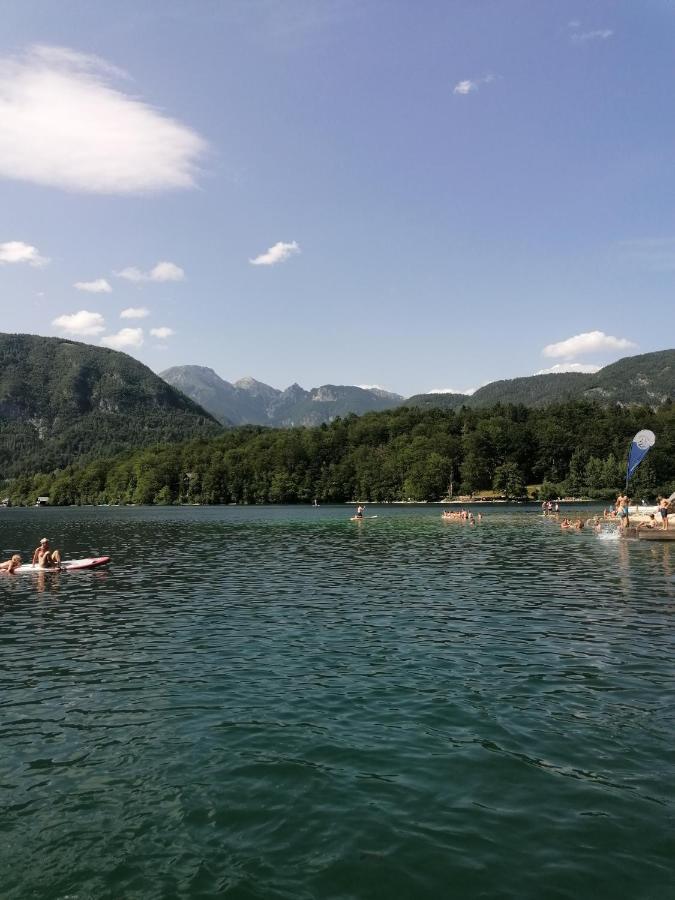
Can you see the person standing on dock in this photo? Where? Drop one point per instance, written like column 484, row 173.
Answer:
column 663, row 510
column 622, row 503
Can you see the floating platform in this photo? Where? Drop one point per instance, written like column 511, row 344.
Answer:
column 650, row 534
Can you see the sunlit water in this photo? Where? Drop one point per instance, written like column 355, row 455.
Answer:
column 281, row 703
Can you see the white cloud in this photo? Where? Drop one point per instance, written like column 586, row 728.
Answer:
column 99, row 286
column 162, row 332
column 163, row 271
column 601, row 34
column 65, row 125
column 589, row 368
column 276, row 254
column 465, row 87
column 469, row 85
column 82, row 323
column 18, row 252
column 468, row 391
column 134, row 312
column 587, row 342
column 126, row 337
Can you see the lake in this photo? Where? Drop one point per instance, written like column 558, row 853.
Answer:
column 277, row 702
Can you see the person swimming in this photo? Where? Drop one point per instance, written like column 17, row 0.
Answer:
column 11, row 564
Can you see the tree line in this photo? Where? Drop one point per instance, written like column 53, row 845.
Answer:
column 576, row 448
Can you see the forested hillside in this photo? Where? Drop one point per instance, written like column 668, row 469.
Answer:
column 647, row 379
column 61, row 401
column 407, row 453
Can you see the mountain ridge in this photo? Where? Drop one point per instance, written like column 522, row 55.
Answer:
column 251, row 402
column 647, row 379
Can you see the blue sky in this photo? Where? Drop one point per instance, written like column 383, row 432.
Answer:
column 419, row 195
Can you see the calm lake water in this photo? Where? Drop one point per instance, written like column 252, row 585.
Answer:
column 281, row 703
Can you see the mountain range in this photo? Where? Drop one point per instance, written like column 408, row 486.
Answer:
column 647, row 379
column 62, row 401
column 248, row 401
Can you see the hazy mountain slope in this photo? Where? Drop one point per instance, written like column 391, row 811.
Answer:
column 325, row 403
column 253, row 402
column 207, row 389
column 61, row 401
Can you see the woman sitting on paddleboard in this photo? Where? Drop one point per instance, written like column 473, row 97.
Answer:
column 45, row 557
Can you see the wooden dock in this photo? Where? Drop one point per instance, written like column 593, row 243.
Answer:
column 650, row 534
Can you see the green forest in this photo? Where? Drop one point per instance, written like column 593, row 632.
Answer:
column 577, row 448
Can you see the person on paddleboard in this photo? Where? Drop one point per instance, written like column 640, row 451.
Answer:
column 11, row 564
column 45, row 557
column 359, row 512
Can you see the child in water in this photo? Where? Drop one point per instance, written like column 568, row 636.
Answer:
column 11, row 564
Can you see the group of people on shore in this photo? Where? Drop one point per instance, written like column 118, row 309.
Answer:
column 622, row 512
column 43, row 557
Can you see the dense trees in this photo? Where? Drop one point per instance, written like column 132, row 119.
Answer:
column 62, row 401
column 405, row 453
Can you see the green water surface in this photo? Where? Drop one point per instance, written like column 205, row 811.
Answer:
column 281, row 703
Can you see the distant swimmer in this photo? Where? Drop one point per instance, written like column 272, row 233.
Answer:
column 11, row 564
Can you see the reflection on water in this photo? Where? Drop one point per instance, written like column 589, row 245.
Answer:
column 280, row 702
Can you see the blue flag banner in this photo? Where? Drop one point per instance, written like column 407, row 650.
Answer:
column 639, row 448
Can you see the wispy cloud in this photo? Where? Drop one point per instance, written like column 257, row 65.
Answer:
column 600, row 34
column 163, row 271
column 82, row 323
column 18, row 252
column 589, row 368
column 65, row 124
column 470, row 85
column 654, row 254
column 124, row 339
column 135, row 312
column 587, row 342
column 99, row 286
column 276, row 254
column 577, row 36
column 162, row 332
